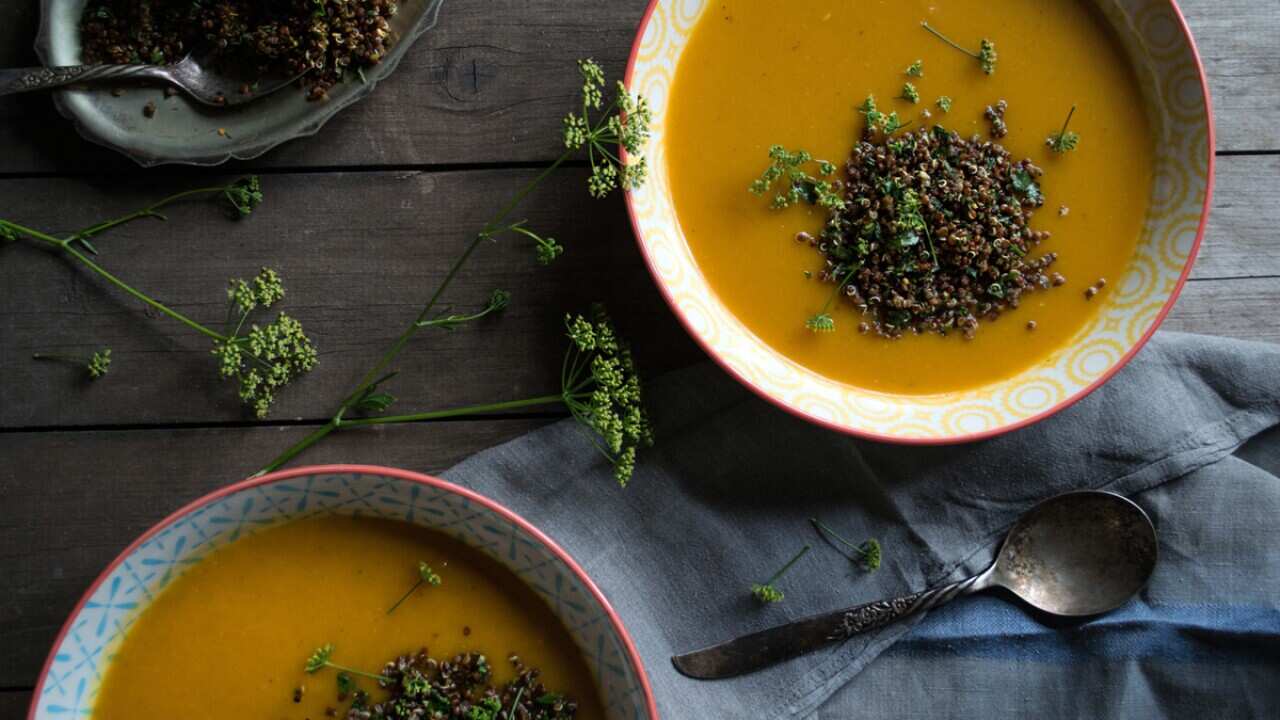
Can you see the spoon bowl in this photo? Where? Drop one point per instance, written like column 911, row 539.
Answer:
column 1078, row 554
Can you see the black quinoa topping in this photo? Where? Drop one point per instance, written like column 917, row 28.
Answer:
column 421, row 687
column 326, row 38
column 934, row 234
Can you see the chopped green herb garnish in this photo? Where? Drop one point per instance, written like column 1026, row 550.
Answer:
column 320, row 659
column 797, row 184
column 909, row 93
column 944, row 104
column 916, row 69
column 1064, row 140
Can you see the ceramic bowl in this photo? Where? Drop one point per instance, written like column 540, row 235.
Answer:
column 185, row 132
column 84, row 650
column 1160, row 47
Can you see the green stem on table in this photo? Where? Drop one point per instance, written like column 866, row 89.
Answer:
column 456, row 412
column 948, row 40
column 65, row 246
column 787, row 567
column 487, row 233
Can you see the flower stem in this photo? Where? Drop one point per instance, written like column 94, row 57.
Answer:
column 456, row 412
column 404, row 597
column 361, row 673
column 65, row 246
column 787, row 567
column 149, row 211
column 298, row 449
column 947, row 40
column 416, row 325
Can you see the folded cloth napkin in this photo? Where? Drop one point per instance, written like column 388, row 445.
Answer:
column 724, row 500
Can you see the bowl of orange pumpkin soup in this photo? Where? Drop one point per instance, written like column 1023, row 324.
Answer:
column 281, row 597
column 906, row 318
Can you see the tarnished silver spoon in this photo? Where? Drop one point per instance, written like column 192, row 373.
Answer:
column 1074, row 555
column 193, row 75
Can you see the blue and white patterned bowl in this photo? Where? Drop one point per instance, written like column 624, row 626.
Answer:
column 87, row 643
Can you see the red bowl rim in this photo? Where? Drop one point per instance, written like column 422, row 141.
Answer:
column 406, row 475
column 971, row 437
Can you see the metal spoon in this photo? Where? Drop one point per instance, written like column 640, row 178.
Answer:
column 193, row 75
column 1074, row 555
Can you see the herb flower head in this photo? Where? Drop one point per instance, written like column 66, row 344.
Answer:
column 245, row 195
column 601, row 388
column 99, row 364
column 601, row 129
column 269, row 357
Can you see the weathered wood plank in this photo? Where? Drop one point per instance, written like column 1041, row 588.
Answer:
column 492, row 83
column 73, row 500
column 1243, row 309
column 359, row 254
column 14, row 703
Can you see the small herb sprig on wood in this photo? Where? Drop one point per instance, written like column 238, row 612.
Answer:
column 767, row 593
column 95, row 365
column 986, row 55
column 866, row 554
column 262, row 359
column 426, row 576
column 1064, row 140
column 624, row 122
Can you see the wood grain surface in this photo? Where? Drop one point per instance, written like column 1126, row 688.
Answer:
column 361, row 220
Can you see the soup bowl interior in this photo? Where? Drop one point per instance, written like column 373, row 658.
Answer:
column 1166, row 64
column 85, row 649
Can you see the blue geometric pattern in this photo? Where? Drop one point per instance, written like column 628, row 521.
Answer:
column 86, row 652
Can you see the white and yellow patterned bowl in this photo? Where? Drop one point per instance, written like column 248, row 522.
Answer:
column 1160, row 46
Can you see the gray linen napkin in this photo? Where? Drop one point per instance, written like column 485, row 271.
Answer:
column 724, row 500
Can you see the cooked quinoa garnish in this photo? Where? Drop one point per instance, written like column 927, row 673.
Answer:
column 329, row 40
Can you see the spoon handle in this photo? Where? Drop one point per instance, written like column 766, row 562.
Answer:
column 44, row 78
column 762, row 649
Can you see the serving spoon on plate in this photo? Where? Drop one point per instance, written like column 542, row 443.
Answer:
column 1073, row 555
column 193, row 75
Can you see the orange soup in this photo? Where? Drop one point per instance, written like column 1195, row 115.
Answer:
column 230, row 637
column 757, row 73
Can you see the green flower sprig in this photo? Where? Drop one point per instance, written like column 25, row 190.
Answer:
column 1064, row 140
column 799, row 185
column 766, row 592
column 269, row 357
column 599, row 385
column 262, row 360
column 916, row 69
column 986, row 55
column 624, row 122
column 96, row 365
column 426, row 576
column 910, row 93
column 866, row 554
column 320, row 659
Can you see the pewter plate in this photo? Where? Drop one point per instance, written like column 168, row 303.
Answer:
column 183, row 132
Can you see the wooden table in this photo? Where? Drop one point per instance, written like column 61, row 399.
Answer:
column 362, row 221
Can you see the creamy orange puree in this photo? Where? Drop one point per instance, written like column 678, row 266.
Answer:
column 762, row 72
column 229, row 638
